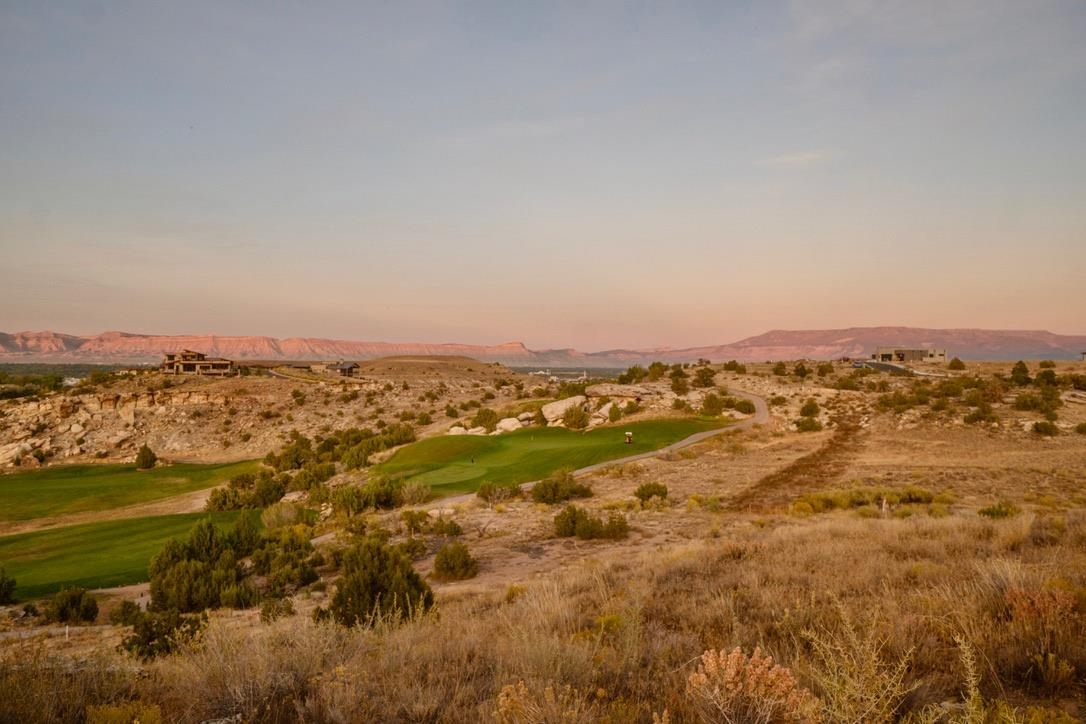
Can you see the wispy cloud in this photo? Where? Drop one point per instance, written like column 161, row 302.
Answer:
column 801, row 158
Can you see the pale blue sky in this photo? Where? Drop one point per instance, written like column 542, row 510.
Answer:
column 595, row 175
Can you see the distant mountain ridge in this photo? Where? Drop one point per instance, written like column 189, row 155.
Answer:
column 855, row 342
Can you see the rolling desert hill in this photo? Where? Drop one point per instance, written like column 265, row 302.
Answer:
column 856, row 342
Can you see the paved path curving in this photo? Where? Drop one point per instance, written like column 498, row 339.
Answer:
column 760, row 417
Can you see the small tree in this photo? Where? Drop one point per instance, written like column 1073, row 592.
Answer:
column 454, row 563
column 703, row 377
column 956, row 364
column 377, row 581
column 72, row 605
column 145, row 458
column 810, row 409
column 801, row 371
column 780, row 369
column 575, row 418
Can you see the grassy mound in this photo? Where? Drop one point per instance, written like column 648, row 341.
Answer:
column 453, row 464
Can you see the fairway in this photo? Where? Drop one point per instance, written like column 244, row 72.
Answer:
column 70, row 489
column 453, row 464
column 93, row 555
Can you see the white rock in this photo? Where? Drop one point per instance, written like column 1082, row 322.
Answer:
column 477, row 431
column 526, row 417
column 508, row 424
column 554, row 411
column 75, row 428
column 457, row 430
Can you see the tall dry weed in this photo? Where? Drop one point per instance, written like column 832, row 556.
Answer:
column 734, row 688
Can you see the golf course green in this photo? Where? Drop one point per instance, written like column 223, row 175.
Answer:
column 94, row 555
column 456, row 464
column 67, row 489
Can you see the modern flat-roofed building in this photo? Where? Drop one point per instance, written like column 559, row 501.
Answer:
column 909, row 354
column 188, row 362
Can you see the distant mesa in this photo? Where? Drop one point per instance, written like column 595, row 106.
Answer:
column 855, row 342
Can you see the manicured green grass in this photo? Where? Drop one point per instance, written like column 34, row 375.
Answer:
column 451, row 464
column 79, row 488
column 93, row 555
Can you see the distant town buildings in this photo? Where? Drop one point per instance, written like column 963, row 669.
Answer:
column 909, row 354
column 188, row 362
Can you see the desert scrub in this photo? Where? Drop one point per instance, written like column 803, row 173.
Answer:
column 558, row 487
column 810, row 409
column 378, row 583
column 645, row 491
column 455, row 563
column 1002, row 509
column 498, row 492
column 1046, row 428
column 734, row 687
column 574, row 521
column 808, row 424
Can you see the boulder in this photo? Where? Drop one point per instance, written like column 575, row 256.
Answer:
column 76, row 428
column 477, row 430
column 457, row 430
column 554, row 411
column 526, row 417
column 508, row 424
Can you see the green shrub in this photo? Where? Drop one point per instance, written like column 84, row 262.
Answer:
column 72, row 605
column 575, row 418
column 145, row 458
column 614, row 414
column 446, row 527
column 956, row 364
column 1046, row 428
column 778, row 400
column 648, row 490
column 810, row 409
column 274, row 609
column 558, row 487
column 573, row 521
column 825, row 368
column 680, row 404
column 744, row 406
column 127, row 614
column 453, row 562
column 159, row 633
column 415, row 521
column 982, row 413
column 808, row 424
column 704, row 377
column 780, row 369
column 1081, row 428
column 7, row 587
column 377, row 581
column 498, row 492
column 712, row 405
column 485, row 418
column 1002, row 509
column 801, row 371
column 424, row 418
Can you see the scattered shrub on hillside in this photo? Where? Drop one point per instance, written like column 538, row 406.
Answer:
column 498, row 492
column 71, row 605
column 632, row 407
column 956, row 364
column 7, row 587
column 127, row 614
column 825, row 368
column 681, row 405
column 704, row 377
column 810, row 409
column 378, row 582
column 445, row 526
column 648, row 490
column 778, row 400
column 732, row 687
column 159, row 633
column 801, row 370
column 453, row 562
column 452, row 412
column 1081, row 428
column 575, row 418
column 485, row 418
column 424, row 418
column 982, row 413
column 202, row 572
column 415, row 521
column 614, row 414
column 378, row 493
column 712, row 405
column 573, row 521
column 679, row 385
column 633, row 375
column 780, row 369
column 274, row 609
column 1046, row 428
column 744, row 406
column 145, row 458
column 558, row 487
column 1002, row 509
column 808, row 424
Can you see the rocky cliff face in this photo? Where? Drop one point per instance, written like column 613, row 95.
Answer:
column 126, row 348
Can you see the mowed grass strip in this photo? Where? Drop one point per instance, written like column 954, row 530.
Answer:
column 459, row 463
column 67, row 489
column 94, row 555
